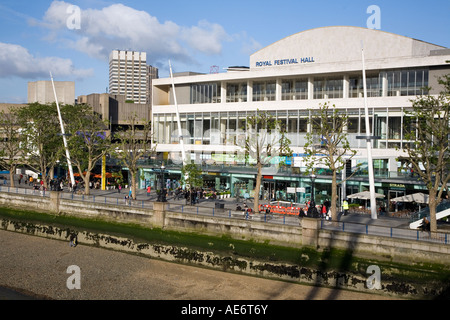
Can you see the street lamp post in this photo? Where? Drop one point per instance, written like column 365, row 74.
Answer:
column 162, row 193
column 312, row 211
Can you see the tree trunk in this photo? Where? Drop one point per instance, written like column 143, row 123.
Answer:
column 86, row 180
column 11, row 176
column 133, row 185
column 432, row 206
column 257, row 188
column 334, row 198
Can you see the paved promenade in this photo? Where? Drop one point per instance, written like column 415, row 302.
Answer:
column 39, row 266
column 209, row 204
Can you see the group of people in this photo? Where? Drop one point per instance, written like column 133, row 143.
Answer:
column 312, row 210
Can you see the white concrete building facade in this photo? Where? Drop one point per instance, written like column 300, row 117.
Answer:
column 291, row 77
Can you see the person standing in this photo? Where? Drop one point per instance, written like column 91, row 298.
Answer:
column 149, row 189
column 345, row 207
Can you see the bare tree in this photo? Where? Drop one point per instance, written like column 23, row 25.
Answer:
column 327, row 144
column 428, row 152
column 265, row 140
column 131, row 144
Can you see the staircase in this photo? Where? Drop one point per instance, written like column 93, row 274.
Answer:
column 442, row 211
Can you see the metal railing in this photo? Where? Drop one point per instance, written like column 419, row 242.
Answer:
column 26, row 191
column 108, row 200
column 386, row 231
column 274, row 218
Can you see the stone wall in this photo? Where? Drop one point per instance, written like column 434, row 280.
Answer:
column 308, row 234
column 275, row 270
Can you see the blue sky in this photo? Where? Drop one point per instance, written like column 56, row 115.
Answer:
column 39, row 36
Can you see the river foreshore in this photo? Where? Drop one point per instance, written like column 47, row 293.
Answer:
column 39, row 266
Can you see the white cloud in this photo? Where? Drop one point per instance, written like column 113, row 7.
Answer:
column 15, row 60
column 206, row 37
column 121, row 27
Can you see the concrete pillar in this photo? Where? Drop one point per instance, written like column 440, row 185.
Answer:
column 249, row 91
column 310, row 232
column 54, row 202
column 346, row 87
column 310, row 88
column 278, row 89
column 223, row 92
column 159, row 214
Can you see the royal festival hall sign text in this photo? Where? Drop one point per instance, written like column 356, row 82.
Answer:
column 281, row 62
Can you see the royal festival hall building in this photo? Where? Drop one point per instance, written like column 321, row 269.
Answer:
column 290, row 78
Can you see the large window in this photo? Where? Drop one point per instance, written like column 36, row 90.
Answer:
column 294, row 89
column 264, row 91
column 328, row 88
column 373, row 83
column 205, row 93
column 237, row 92
column 408, row 82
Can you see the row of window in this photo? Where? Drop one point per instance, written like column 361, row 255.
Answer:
column 228, row 128
column 409, row 82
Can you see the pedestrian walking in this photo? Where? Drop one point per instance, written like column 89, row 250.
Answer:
column 149, row 189
column 119, row 188
column 324, row 211
column 73, row 240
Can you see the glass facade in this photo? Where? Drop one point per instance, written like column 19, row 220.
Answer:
column 264, row 91
column 205, row 93
column 237, row 92
column 409, row 82
column 229, row 128
column 294, row 89
column 374, row 86
column 328, row 88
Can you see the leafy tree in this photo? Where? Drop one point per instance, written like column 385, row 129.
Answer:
column 132, row 144
column 41, row 145
column 88, row 141
column 327, row 144
column 10, row 141
column 266, row 139
column 428, row 153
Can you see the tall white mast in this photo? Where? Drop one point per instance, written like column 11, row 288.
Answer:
column 69, row 163
column 373, row 204
column 183, row 152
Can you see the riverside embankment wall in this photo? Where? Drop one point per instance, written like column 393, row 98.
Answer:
column 307, row 233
